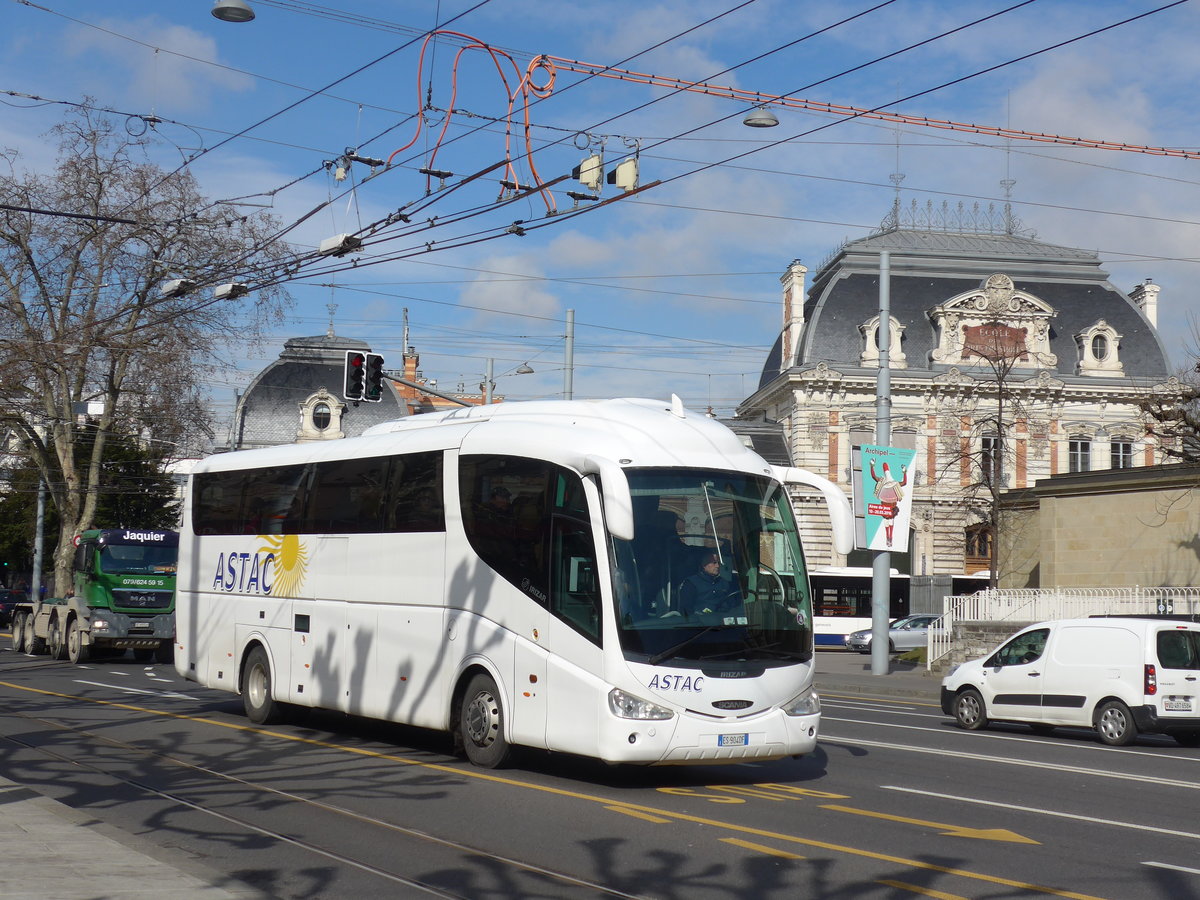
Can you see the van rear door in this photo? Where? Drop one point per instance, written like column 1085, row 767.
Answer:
column 1177, row 648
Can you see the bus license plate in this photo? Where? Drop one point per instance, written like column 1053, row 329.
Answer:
column 733, row 740
column 1177, row 704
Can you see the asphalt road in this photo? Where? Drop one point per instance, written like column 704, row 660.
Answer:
column 897, row 802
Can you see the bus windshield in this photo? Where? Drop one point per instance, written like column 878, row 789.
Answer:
column 714, row 571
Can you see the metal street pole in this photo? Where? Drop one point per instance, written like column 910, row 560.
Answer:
column 881, row 563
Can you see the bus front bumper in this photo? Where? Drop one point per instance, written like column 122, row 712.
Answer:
column 691, row 740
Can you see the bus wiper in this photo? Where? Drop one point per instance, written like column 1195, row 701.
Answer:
column 671, row 651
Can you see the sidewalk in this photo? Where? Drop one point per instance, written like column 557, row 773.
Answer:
column 52, row 850
column 841, row 671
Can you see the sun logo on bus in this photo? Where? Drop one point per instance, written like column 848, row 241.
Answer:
column 291, row 563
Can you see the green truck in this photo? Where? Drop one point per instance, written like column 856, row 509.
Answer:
column 124, row 599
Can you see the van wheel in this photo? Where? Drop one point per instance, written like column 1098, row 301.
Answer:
column 481, row 724
column 1187, row 738
column 1114, row 724
column 969, row 711
column 260, row 706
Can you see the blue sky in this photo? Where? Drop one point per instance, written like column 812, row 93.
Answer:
column 675, row 289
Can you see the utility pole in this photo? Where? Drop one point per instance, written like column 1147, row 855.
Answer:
column 881, row 564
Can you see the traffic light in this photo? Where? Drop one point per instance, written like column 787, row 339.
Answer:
column 373, row 391
column 355, row 372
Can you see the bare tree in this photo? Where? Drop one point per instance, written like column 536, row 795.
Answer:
column 85, row 322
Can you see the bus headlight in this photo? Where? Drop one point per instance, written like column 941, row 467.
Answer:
column 807, row 704
column 627, row 706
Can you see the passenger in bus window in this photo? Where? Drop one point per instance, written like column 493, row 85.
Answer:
column 710, row 590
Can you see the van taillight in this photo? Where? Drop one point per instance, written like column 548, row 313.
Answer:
column 1151, row 681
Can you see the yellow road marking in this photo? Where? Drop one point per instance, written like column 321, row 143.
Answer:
column 737, row 842
column 983, row 834
column 638, row 814
column 576, row 795
column 924, row 892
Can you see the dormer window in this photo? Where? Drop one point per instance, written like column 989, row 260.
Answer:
column 320, row 418
column 871, row 335
column 1099, row 350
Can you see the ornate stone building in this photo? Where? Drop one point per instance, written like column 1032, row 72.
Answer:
column 1009, row 357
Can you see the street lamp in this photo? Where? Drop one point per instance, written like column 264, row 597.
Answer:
column 489, row 382
column 233, row 11
column 760, row 117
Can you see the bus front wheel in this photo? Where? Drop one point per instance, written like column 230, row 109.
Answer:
column 260, row 706
column 481, row 724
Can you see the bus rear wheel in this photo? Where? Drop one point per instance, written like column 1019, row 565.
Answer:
column 481, row 724
column 261, row 708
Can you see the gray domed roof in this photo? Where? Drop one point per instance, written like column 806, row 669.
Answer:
column 268, row 413
column 929, row 267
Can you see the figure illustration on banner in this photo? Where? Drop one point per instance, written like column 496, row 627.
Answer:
column 889, row 492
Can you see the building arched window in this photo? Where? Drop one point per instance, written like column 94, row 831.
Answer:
column 871, row 336
column 321, row 416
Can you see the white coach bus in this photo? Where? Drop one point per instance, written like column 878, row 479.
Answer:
column 621, row 579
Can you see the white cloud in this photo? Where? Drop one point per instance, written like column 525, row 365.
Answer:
column 184, row 73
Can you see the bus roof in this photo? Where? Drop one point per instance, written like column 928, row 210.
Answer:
column 630, row 432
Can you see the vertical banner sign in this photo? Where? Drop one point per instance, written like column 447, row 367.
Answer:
column 882, row 489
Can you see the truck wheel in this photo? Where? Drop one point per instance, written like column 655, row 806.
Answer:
column 481, row 724
column 57, row 641
column 18, row 633
column 1114, row 724
column 34, row 645
column 969, row 711
column 165, row 654
column 260, row 706
column 77, row 650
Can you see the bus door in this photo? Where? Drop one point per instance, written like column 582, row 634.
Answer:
column 321, row 641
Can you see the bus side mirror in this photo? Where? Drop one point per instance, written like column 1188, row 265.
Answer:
column 841, row 517
column 614, row 489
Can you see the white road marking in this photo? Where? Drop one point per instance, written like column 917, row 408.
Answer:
column 1159, row 865
column 132, row 690
column 1041, row 742
column 1042, row 811
column 1000, row 760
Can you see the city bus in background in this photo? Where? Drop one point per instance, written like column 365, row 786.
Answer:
column 842, row 599
column 514, row 574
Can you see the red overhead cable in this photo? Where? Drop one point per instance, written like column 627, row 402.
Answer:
column 550, row 63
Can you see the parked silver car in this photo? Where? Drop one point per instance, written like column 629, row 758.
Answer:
column 906, row 633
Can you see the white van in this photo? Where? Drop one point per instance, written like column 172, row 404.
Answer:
column 1120, row 675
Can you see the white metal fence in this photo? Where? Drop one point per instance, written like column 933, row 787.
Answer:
column 1045, row 604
